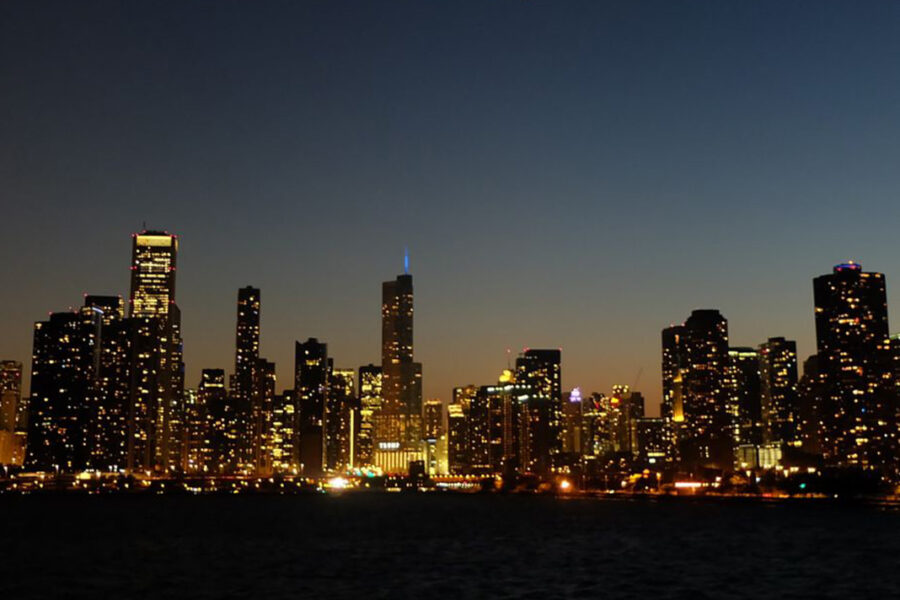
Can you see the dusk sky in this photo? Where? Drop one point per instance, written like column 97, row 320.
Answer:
column 565, row 174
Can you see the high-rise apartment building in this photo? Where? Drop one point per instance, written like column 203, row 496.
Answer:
column 63, row 373
column 244, row 383
column 341, row 421
column 11, row 439
column 222, row 425
column 540, row 371
column 744, row 385
column 696, row 390
column 858, row 406
column 311, row 370
column 369, row 408
column 778, row 391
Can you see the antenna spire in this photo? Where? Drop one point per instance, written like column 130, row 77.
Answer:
column 405, row 260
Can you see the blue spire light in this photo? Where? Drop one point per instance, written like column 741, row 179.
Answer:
column 405, row 261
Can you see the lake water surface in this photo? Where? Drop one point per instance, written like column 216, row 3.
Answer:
column 443, row 546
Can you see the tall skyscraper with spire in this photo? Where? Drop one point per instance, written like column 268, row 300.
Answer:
column 399, row 422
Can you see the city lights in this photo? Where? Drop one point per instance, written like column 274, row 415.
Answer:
column 108, row 400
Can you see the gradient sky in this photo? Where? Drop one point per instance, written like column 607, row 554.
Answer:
column 565, row 174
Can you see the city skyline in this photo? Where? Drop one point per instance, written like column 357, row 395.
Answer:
column 285, row 380
column 569, row 177
column 469, row 299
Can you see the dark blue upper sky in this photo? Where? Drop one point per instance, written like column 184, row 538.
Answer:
column 565, row 174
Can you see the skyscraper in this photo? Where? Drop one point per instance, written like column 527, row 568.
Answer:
column 745, row 407
column 285, row 438
column 63, row 372
column 261, row 417
column 108, row 427
column 341, row 421
column 11, row 442
column 459, row 428
column 153, row 261
column 222, row 428
column 540, row 371
column 369, row 407
column 195, row 434
column 857, row 408
column 696, row 389
column 778, row 378
column 243, row 383
column 311, row 369
column 399, row 422
column 156, row 365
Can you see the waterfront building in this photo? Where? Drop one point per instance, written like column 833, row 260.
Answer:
column 458, row 430
column 157, row 382
column 341, row 421
column 745, row 407
column 779, row 403
column 109, row 414
column 696, row 389
column 11, row 443
column 245, row 382
column 63, row 371
column 398, row 430
column 541, row 442
column 858, row 405
column 311, row 370
column 369, row 409
column 223, row 425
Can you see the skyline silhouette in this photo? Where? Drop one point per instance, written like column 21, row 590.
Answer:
column 574, row 176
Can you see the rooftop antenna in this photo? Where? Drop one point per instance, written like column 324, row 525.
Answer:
column 405, row 260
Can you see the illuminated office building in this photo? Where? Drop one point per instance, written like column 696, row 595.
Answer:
column 262, row 402
column 433, row 420
column 285, row 437
column 194, row 434
column 434, row 436
column 811, row 390
column 341, row 421
column 652, row 449
column 501, row 433
column 673, row 367
column 598, row 432
column 626, row 407
column 398, row 430
column 458, row 428
column 745, row 408
column 858, row 406
column 222, row 425
column 108, row 428
column 571, row 423
column 63, row 371
column 153, row 263
column 244, row 381
column 11, row 443
column 311, row 369
column 157, row 368
column 779, row 403
column 696, row 390
column 541, row 443
column 369, row 407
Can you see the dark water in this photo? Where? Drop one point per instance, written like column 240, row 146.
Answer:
column 432, row 546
